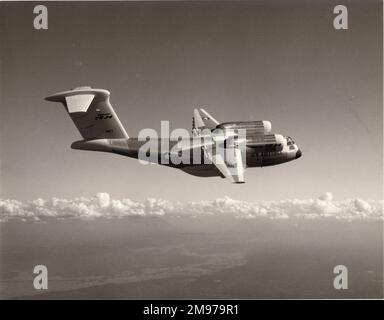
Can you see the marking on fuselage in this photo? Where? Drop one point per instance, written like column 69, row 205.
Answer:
column 103, row 116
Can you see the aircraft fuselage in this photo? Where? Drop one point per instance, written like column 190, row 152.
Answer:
column 258, row 154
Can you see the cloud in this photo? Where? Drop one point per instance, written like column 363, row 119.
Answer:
column 103, row 199
column 327, row 196
column 102, row 206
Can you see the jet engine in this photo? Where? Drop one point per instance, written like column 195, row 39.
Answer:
column 252, row 127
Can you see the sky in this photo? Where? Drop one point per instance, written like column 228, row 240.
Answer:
column 240, row 61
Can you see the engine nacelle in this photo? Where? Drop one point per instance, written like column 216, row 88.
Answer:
column 266, row 143
column 267, row 126
column 252, row 127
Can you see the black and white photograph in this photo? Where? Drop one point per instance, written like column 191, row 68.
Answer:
column 181, row 150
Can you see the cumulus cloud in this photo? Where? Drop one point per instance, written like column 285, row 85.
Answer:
column 327, row 196
column 102, row 206
column 103, row 199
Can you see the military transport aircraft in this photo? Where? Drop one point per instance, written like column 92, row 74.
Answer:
column 102, row 130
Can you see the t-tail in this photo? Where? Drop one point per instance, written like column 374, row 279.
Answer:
column 93, row 116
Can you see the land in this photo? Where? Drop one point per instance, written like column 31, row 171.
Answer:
column 181, row 258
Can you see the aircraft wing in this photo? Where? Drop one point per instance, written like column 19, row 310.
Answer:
column 233, row 166
column 202, row 119
column 233, row 169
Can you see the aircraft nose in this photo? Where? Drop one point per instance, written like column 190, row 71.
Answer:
column 298, row 154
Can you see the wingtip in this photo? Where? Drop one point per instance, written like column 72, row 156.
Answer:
column 53, row 98
column 49, row 98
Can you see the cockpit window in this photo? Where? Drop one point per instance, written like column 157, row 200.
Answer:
column 290, row 141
